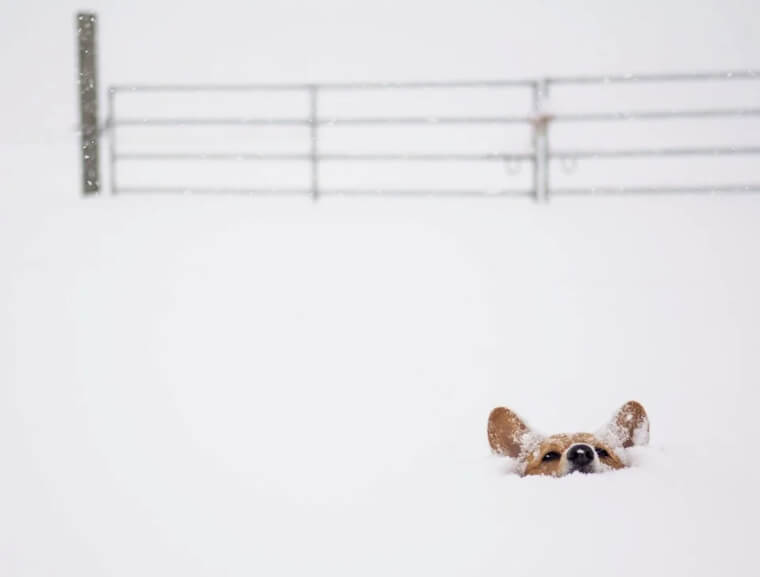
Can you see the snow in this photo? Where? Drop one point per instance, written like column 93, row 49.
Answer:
column 277, row 387
column 207, row 386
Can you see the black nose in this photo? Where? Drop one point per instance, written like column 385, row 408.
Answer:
column 580, row 455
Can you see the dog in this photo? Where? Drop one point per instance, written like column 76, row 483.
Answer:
column 562, row 454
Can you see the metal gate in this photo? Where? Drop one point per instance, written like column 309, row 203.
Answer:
column 540, row 114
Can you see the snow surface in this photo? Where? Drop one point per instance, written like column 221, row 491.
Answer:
column 201, row 386
column 276, row 387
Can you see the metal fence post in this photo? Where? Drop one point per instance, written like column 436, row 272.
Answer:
column 88, row 102
column 540, row 142
column 314, row 137
column 111, row 126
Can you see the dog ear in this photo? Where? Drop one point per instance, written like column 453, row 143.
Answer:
column 629, row 426
column 509, row 435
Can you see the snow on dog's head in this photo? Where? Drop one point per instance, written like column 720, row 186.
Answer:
column 561, row 454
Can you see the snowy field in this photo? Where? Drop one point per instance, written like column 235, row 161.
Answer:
column 207, row 386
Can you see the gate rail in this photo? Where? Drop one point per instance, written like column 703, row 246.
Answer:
column 540, row 120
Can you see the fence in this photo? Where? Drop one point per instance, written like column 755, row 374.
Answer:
column 540, row 118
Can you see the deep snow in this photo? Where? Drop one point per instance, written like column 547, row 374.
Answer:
column 276, row 387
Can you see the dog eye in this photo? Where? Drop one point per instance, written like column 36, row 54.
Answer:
column 551, row 456
column 602, row 452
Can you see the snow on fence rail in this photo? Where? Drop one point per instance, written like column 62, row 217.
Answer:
column 616, row 119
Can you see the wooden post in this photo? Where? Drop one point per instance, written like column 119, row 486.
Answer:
column 88, row 102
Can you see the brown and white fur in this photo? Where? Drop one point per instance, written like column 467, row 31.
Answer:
column 561, row 454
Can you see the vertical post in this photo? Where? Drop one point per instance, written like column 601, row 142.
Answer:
column 88, row 102
column 540, row 142
column 111, row 125
column 314, row 136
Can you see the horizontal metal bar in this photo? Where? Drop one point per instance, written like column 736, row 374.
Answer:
column 502, row 156
column 505, row 83
column 664, row 77
column 159, row 156
column 444, row 120
column 370, row 120
column 649, row 152
column 211, row 156
column 651, row 189
column 210, row 121
column 335, row 191
column 656, row 114
column 263, row 87
column 569, row 191
column 451, row 193
column 427, row 120
column 212, row 190
column 284, row 87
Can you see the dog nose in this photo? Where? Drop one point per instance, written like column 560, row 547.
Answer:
column 580, row 455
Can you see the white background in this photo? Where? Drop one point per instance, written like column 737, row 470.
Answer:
column 239, row 386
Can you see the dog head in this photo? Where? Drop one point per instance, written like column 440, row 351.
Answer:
column 561, row 454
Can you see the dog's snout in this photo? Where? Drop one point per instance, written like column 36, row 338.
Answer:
column 580, row 455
